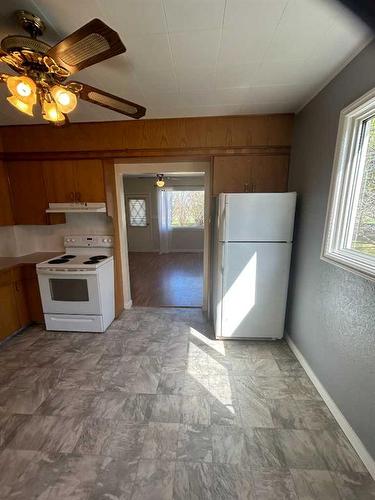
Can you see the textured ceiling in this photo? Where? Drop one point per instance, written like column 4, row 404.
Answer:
column 203, row 57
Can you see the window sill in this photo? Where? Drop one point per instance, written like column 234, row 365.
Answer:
column 352, row 261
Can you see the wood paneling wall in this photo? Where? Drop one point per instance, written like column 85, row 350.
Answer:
column 179, row 138
column 201, row 136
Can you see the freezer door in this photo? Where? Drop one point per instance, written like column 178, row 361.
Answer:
column 254, row 290
column 258, row 217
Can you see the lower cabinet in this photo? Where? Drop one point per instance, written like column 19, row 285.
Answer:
column 9, row 320
column 20, row 302
column 31, row 288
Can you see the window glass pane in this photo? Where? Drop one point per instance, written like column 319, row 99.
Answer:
column 362, row 230
column 69, row 290
column 186, row 208
column 137, row 212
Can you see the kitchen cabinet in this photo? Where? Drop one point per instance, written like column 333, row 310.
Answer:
column 28, row 192
column 31, row 288
column 21, row 299
column 20, row 302
column 74, row 181
column 250, row 173
column 6, row 214
column 9, row 321
column 9, row 316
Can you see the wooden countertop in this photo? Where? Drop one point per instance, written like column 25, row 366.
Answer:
column 31, row 258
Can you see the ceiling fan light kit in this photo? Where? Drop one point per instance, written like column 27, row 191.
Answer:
column 160, row 181
column 43, row 70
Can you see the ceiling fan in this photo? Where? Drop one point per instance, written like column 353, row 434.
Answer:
column 43, row 70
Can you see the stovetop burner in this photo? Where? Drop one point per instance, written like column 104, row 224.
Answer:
column 98, row 257
column 68, row 256
column 91, row 261
column 58, row 261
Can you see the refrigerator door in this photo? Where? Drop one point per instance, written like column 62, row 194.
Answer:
column 254, row 290
column 256, row 216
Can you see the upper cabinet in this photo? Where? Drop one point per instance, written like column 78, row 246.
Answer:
column 35, row 184
column 6, row 215
column 250, row 174
column 74, row 181
column 28, row 192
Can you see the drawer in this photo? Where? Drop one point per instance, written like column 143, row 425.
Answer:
column 74, row 323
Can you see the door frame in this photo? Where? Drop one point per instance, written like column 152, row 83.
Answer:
column 150, row 166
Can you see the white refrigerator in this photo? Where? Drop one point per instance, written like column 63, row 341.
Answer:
column 253, row 244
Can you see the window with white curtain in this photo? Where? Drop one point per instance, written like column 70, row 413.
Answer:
column 185, row 208
column 349, row 239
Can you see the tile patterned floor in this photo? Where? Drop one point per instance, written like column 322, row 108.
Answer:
column 155, row 409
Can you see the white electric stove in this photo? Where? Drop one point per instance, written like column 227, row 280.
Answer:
column 77, row 287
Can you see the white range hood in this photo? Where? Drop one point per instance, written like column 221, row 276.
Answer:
column 76, row 208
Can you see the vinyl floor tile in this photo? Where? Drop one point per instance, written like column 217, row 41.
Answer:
column 156, row 408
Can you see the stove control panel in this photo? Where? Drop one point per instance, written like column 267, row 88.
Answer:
column 88, row 241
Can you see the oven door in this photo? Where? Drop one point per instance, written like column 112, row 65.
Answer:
column 69, row 292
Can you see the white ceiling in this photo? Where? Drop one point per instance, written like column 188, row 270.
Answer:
column 203, row 57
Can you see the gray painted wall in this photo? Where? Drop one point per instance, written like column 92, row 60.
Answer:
column 331, row 313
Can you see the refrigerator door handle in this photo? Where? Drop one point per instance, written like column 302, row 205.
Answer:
column 223, row 260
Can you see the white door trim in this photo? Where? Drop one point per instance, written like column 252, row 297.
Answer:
column 123, row 167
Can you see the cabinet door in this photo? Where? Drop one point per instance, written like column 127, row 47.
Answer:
column 28, row 192
column 6, row 215
column 89, row 180
column 232, row 174
column 21, row 303
column 255, row 173
column 9, row 321
column 269, row 174
column 31, row 286
column 59, row 181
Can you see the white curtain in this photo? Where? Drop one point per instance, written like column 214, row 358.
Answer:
column 163, row 220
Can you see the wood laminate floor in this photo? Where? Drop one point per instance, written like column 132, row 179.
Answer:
column 161, row 280
column 157, row 409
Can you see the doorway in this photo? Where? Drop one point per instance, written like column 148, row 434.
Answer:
column 165, row 237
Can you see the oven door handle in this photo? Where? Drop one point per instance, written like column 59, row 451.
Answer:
column 61, row 273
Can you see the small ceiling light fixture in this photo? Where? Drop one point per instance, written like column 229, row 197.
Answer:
column 160, row 182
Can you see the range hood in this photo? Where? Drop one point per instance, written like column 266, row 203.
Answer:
column 76, row 208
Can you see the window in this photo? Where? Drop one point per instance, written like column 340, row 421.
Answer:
column 349, row 239
column 186, row 208
column 137, row 212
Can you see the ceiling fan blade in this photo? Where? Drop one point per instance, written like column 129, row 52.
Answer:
column 110, row 101
column 92, row 43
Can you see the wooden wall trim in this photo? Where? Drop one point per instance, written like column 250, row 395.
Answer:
column 113, row 211
column 148, row 137
column 192, row 153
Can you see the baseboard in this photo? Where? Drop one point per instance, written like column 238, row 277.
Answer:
column 128, row 305
column 357, row 444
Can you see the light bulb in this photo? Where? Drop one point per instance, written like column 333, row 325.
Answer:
column 20, row 105
column 160, row 182
column 65, row 100
column 51, row 112
column 23, row 88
